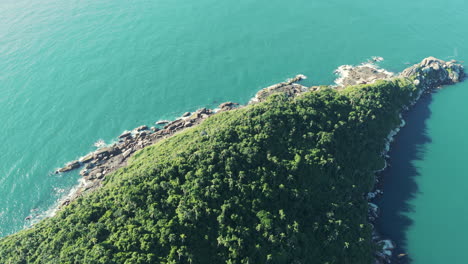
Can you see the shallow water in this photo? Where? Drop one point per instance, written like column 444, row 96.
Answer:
column 72, row 72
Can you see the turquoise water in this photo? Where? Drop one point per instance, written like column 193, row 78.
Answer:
column 72, row 72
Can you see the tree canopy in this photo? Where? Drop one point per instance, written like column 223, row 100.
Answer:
column 281, row 181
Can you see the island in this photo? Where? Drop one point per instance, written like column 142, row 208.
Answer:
column 287, row 178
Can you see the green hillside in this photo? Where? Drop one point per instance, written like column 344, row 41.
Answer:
column 281, row 181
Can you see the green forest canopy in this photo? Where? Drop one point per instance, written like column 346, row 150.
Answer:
column 281, row 181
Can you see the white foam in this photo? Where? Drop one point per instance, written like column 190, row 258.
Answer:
column 377, row 59
column 100, row 143
column 343, row 71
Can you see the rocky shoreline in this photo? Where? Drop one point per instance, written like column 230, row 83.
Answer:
column 96, row 165
column 428, row 75
column 431, row 73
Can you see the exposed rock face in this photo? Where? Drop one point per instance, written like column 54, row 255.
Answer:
column 70, row 166
column 432, row 72
column 289, row 87
column 361, row 74
column 227, row 106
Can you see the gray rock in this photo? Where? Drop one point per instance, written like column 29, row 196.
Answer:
column 86, row 158
column 227, row 106
column 125, row 134
column 186, row 114
column 141, row 128
column 70, row 166
column 433, row 72
column 162, row 122
column 104, row 153
column 127, row 153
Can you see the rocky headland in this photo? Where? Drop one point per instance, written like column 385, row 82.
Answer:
column 431, row 73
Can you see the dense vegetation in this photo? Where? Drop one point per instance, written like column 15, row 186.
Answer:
column 277, row 182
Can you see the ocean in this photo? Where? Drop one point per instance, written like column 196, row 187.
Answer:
column 73, row 72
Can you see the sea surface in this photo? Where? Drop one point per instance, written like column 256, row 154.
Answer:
column 73, row 72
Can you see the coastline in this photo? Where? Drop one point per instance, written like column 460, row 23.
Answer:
column 109, row 158
column 95, row 165
column 427, row 86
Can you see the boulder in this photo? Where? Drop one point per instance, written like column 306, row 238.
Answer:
column 70, row 166
column 141, row 128
column 186, row 114
column 290, row 89
column 125, row 134
column 127, row 153
column 104, row 153
column 373, row 210
column 162, row 122
column 227, row 106
column 203, row 111
column 86, row 158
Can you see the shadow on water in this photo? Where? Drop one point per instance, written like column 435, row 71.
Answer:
column 399, row 179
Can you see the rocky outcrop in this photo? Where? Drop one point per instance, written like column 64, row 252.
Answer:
column 70, row 166
column 96, row 165
column 106, row 159
column 227, row 106
column 362, row 74
column 289, row 87
column 386, row 251
column 162, row 122
column 432, row 72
